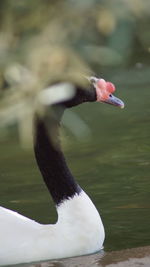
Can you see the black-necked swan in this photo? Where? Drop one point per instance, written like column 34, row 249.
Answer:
column 79, row 229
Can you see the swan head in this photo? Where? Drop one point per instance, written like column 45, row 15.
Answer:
column 104, row 92
column 72, row 94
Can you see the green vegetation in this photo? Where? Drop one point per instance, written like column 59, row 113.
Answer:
column 44, row 41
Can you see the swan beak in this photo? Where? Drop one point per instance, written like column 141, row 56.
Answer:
column 115, row 101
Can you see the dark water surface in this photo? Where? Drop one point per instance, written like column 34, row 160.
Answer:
column 113, row 167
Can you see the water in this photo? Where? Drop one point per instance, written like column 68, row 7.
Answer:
column 112, row 166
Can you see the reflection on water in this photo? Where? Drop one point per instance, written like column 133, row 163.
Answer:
column 113, row 167
column 129, row 257
column 87, row 261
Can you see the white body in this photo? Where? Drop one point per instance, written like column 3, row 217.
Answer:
column 78, row 231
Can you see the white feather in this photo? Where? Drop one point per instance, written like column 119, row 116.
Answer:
column 78, row 231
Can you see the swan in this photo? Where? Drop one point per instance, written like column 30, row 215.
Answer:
column 79, row 229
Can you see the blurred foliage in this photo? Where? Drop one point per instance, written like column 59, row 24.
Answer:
column 45, row 41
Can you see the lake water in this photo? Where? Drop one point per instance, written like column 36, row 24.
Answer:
column 112, row 165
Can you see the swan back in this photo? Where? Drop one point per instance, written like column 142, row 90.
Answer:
column 78, row 231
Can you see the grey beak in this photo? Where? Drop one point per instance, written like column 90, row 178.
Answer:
column 113, row 100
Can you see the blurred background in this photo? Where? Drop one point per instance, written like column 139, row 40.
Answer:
column 107, row 149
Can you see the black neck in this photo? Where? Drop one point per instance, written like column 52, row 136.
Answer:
column 50, row 159
column 52, row 164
